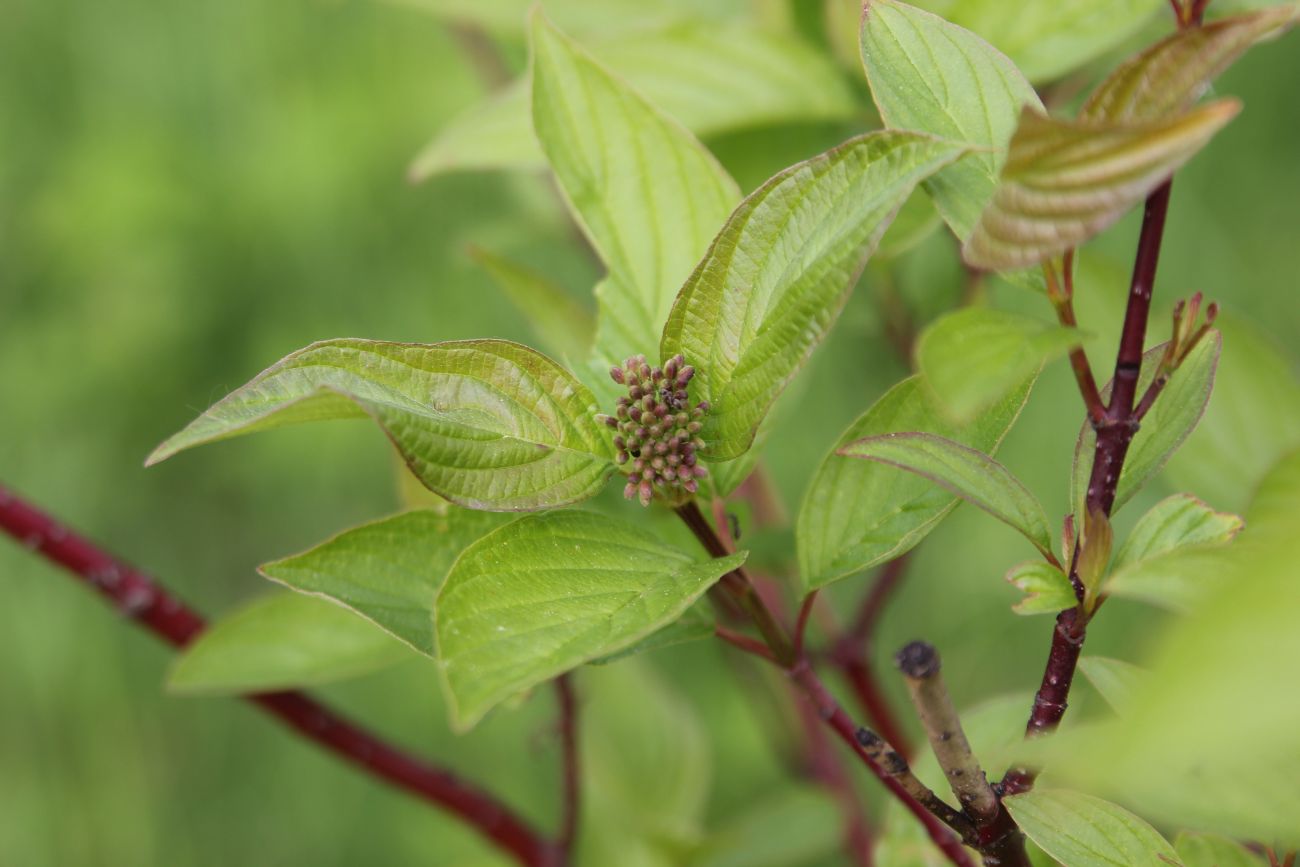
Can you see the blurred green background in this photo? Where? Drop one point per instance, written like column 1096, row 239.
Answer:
column 190, row 191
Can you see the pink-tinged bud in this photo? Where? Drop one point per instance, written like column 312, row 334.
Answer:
column 661, row 410
column 621, row 458
column 698, row 443
column 690, row 486
column 699, row 471
column 670, row 368
column 641, row 433
column 685, row 374
column 638, row 465
column 655, row 430
column 622, row 412
column 610, row 421
column 616, row 374
column 648, row 403
column 657, row 463
column 646, row 491
column 694, row 427
column 669, row 474
column 1211, row 313
column 620, row 443
column 682, row 419
column 634, row 413
column 648, row 474
column 673, row 460
column 636, row 392
column 661, row 448
column 629, row 490
column 657, row 374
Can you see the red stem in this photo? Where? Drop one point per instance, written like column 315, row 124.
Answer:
column 1113, row 438
column 851, row 655
column 572, row 804
column 138, row 597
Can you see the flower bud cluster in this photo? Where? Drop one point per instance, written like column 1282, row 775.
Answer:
column 657, row 430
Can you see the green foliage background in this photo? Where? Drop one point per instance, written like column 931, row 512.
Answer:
column 188, row 192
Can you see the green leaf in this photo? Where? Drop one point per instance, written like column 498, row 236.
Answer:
column 1179, row 521
column 1047, row 40
column 1169, row 76
column 973, row 357
column 546, row 593
column 1095, row 545
column 647, row 764
column 564, row 326
column 1211, row 850
column 487, row 424
column 696, row 624
column 857, row 514
column 928, row 74
column 1047, row 588
column 644, row 190
column 282, row 642
column 1066, row 181
column 1170, row 420
column 387, row 571
column 751, row 77
column 796, row 827
column 1079, row 830
column 966, row 472
column 1117, row 681
column 1253, row 419
column 778, row 273
column 1217, row 713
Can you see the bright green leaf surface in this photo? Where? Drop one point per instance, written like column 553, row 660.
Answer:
column 857, row 514
column 711, row 78
column 487, row 424
column 928, row 74
column 1117, row 681
column 1065, row 181
column 1211, row 850
column 388, row 571
column 777, row 275
column 966, row 472
column 696, row 624
column 971, row 358
column 283, row 642
column 646, row 192
column 1079, row 830
column 564, row 326
column 1047, row 588
column 800, row 827
column 1167, row 77
column 1047, row 40
column 548, row 592
column 656, row 793
column 1170, row 420
column 1179, row 521
column 1253, row 419
column 1216, row 713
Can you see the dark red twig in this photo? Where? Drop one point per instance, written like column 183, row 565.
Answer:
column 1113, row 438
column 139, row 598
column 801, row 625
column 851, row 653
column 572, row 773
column 781, row 651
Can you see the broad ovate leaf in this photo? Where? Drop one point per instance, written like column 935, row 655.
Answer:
column 279, row 642
column 711, row 77
column 1179, row 521
column 972, row 357
column 646, row 192
column 777, row 275
column 548, row 592
column 1047, row 588
column 1169, row 76
column 1117, row 681
column 564, row 326
column 966, row 472
column 1048, row 40
column 388, row 571
column 1065, row 181
column 857, row 514
column 1080, row 830
column 488, row 424
column 1218, row 677
column 929, row 74
column 1167, row 424
column 1211, row 850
